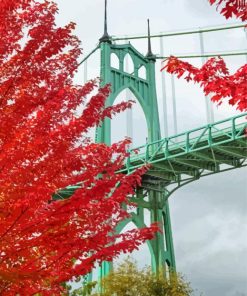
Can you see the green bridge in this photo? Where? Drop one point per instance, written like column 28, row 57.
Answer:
column 190, row 155
column 173, row 161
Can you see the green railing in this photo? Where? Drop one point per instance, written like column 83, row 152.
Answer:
column 204, row 137
column 171, row 147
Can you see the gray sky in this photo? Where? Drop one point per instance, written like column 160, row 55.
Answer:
column 208, row 216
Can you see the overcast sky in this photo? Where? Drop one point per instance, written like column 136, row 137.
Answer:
column 209, row 216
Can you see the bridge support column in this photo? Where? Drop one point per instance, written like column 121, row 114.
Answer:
column 104, row 270
column 144, row 89
column 169, row 256
column 163, row 250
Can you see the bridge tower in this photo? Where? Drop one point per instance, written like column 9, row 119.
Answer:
column 150, row 195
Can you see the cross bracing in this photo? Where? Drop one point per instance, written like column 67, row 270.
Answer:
column 208, row 150
column 174, row 162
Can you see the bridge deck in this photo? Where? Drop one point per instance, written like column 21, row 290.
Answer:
column 210, row 149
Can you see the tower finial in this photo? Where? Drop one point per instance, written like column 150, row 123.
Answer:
column 149, row 55
column 105, row 37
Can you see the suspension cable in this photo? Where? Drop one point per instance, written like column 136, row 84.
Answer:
column 207, row 55
column 202, row 30
column 87, row 56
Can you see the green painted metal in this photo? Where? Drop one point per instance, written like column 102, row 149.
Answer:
column 144, row 90
column 89, row 55
column 161, row 247
column 181, row 159
column 206, row 55
column 174, row 161
column 221, row 145
column 179, row 33
column 187, row 32
column 199, row 152
column 186, row 157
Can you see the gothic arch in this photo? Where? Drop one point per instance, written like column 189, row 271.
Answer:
column 132, row 120
column 142, row 72
column 139, row 99
column 115, row 63
column 128, row 64
column 139, row 224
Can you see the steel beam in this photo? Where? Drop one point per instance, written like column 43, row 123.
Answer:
column 232, row 151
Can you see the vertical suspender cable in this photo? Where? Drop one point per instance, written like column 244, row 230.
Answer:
column 174, row 105
column 85, row 72
column 164, row 97
column 209, row 105
column 245, row 30
column 129, row 112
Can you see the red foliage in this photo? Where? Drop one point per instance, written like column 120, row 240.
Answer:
column 214, row 76
column 232, row 8
column 215, row 79
column 45, row 242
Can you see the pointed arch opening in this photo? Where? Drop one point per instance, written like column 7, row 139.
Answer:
column 128, row 64
column 131, row 123
column 142, row 256
column 114, row 61
column 142, row 72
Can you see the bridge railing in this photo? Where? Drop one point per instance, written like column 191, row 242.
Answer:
column 200, row 138
column 210, row 135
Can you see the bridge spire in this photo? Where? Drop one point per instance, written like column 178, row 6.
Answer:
column 105, row 37
column 150, row 55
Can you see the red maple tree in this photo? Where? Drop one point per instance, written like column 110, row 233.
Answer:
column 232, row 8
column 43, row 148
column 214, row 76
column 215, row 79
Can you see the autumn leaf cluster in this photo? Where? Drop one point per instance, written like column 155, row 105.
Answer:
column 231, row 8
column 215, row 80
column 214, row 76
column 44, row 119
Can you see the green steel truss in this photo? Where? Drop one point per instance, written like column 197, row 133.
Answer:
column 191, row 153
column 143, row 89
column 161, row 247
column 178, row 160
column 174, row 161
